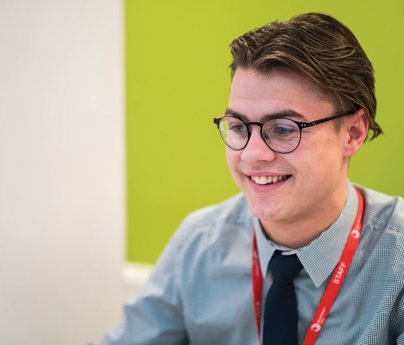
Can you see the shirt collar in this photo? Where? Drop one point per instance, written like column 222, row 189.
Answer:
column 320, row 257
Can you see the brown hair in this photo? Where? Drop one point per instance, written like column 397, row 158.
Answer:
column 320, row 47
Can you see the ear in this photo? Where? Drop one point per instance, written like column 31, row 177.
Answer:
column 356, row 128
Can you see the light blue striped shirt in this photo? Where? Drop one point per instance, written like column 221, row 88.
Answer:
column 200, row 290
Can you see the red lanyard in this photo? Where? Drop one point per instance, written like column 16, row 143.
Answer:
column 332, row 288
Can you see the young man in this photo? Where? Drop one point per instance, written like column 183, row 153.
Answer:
column 301, row 104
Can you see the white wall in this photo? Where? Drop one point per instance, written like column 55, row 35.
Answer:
column 61, row 170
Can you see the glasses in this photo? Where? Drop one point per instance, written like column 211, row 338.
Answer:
column 282, row 135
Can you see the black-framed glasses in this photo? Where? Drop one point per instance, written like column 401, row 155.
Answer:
column 281, row 134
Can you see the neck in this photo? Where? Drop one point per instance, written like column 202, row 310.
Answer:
column 297, row 233
column 292, row 238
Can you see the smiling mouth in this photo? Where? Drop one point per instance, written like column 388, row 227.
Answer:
column 263, row 180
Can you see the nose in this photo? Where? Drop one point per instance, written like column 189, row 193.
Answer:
column 257, row 149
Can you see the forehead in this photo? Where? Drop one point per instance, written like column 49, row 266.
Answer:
column 255, row 94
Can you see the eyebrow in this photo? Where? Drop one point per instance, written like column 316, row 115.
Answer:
column 289, row 113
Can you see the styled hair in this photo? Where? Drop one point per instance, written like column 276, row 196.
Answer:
column 319, row 47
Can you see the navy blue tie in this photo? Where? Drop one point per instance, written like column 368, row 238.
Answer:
column 280, row 314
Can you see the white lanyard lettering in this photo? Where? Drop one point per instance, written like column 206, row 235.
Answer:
column 332, row 288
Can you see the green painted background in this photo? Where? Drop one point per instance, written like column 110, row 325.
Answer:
column 177, row 81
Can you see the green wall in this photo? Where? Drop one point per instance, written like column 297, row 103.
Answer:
column 177, row 81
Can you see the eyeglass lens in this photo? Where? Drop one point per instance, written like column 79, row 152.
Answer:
column 281, row 135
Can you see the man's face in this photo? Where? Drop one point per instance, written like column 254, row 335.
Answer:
column 310, row 182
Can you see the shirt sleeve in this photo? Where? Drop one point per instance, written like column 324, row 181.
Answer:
column 155, row 317
column 399, row 319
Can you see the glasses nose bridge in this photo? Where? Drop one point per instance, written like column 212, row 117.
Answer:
column 249, row 124
column 249, row 128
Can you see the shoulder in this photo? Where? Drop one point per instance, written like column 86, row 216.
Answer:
column 231, row 211
column 230, row 220
column 383, row 237
column 383, row 211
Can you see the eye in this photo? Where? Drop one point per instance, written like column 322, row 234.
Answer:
column 280, row 129
column 236, row 127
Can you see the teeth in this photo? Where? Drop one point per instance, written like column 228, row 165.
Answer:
column 267, row 179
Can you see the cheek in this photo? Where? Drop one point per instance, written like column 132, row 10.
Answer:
column 313, row 165
column 323, row 166
column 232, row 159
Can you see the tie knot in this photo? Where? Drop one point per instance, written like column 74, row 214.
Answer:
column 284, row 268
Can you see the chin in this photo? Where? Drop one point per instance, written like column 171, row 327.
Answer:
column 268, row 212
